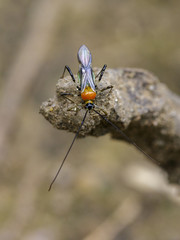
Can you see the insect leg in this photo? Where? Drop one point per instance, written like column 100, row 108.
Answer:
column 106, row 88
column 101, row 109
column 69, row 71
column 67, row 94
column 100, row 74
column 77, row 107
column 71, row 74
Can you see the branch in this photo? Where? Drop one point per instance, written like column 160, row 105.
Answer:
column 139, row 104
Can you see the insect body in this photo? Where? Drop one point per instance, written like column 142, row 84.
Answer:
column 86, row 77
column 87, row 90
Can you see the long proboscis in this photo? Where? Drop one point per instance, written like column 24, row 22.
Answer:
column 126, row 137
column 76, row 135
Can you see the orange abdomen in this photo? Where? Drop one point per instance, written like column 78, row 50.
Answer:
column 86, row 95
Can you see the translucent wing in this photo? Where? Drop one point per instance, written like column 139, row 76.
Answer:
column 85, row 73
column 87, row 79
column 84, row 56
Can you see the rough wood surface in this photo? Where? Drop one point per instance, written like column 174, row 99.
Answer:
column 138, row 103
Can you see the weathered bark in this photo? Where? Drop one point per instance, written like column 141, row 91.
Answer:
column 138, row 103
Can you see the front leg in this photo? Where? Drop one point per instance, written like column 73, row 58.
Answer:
column 64, row 94
column 101, row 109
column 77, row 107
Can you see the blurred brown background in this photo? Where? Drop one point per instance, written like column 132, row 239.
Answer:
column 107, row 190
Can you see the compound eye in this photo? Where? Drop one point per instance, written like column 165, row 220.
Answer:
column 89, row 106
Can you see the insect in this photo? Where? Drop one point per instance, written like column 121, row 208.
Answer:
column 87, row 90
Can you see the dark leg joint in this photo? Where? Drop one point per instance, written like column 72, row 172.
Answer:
column 100, row 74
column 69, row 71
column 106, row 88
column 66, row 94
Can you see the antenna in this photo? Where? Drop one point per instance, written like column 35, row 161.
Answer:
column 126, row 137
column 77, row 133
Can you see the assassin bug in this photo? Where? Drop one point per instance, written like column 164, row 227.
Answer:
column 87, row 90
